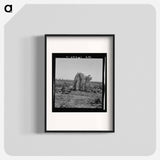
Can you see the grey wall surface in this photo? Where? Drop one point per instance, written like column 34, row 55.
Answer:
column 134, row 29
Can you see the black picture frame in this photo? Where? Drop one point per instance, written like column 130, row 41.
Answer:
column 113, row 74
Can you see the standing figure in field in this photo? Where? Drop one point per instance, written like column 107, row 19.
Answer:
column 81, row 82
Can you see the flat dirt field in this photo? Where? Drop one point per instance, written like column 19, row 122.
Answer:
column 66, row 97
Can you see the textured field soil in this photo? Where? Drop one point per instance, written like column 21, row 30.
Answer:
column 66, row 97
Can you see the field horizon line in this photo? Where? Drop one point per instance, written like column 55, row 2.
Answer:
column 73, row 80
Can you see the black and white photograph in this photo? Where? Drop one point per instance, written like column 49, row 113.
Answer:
column 79, row 82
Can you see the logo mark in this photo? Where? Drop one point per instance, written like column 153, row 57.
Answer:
column 8, row 8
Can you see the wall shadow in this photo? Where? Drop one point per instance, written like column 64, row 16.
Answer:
column 39, row 84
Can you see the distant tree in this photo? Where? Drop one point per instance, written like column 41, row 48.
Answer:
column 81, row 82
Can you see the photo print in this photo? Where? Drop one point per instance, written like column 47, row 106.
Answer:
column 79, row 82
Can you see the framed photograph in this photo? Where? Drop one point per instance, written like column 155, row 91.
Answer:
column 79, row 83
